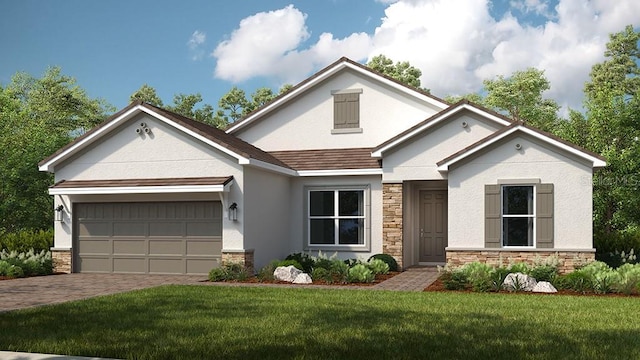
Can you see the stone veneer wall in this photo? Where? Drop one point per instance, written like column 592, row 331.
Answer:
column 61, row 261
column 244, row 257
column 568, row 259
column 392, row 221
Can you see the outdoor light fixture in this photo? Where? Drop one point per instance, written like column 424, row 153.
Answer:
column 233, row 212
column 59, row 209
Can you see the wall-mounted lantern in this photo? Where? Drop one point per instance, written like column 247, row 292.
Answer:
column 59, row 212
column 233, row 212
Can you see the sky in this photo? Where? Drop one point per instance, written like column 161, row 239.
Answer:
column 204, row 46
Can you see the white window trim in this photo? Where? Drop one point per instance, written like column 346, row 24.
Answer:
column 503, row 216
column 365, row 246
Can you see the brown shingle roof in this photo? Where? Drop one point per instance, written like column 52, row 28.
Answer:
column 218, row 136
column 328, row 159
column 143, row 182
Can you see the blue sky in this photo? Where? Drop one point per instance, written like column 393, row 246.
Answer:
column 113, row 47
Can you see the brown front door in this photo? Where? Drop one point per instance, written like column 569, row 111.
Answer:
column 433, row 226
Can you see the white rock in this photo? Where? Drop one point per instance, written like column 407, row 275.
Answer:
column 519, row 282
column 286, row 273
column 303, row 278
column 544, row 287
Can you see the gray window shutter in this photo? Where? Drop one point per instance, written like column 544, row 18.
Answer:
column 346, row 111
column 492, row 228
column 544, row 216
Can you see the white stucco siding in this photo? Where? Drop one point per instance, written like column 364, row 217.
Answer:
column 416, row 159
column 307, row 121
column 165, row 153
column 298, row 213
column 266, row 215
column 572, row 191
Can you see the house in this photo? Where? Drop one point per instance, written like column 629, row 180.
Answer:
column 349, row 161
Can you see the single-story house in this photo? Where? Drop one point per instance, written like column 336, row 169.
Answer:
column 349, row 161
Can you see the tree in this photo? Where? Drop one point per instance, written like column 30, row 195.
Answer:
column 232, row 106
column 37, row 117
column 473, row 97
column 520, row 96
column 612, row 102
column 147, row 94
column 258, row 98
column 401, row 70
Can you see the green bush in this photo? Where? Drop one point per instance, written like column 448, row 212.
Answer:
column 393, row 264
column 229, row 272
column 31, row 263
column 377, row 266
column 455, row 279
column 478, row 275
column 628, row 279
column 359, row 273
column 286, row 263
column 614, row 248
column 25, row 240
column 305, row 260
column 10, row 270
column 339, row 270
column 544, row 273
column 519, row 267
column 266, row 273
column 321, row 274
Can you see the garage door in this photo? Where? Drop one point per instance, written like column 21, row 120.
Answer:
column 159, row 237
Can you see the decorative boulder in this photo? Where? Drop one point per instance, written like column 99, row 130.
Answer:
column 286, row 273
column 303, row 278
column 544, row 287
column 519, row 282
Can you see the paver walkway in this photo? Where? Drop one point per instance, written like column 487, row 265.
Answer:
column 412, row 279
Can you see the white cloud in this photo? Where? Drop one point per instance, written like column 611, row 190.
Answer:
column 195, row 41
column 456, row 43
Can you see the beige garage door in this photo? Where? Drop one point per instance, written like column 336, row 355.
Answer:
column 159, row 237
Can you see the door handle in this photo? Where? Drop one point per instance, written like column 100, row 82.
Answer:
column 421, row 232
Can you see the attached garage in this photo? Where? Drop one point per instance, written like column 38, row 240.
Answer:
column 147, row 237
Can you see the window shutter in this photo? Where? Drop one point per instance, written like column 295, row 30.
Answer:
column 346, row 110
column 544, row 216
column 492, row 228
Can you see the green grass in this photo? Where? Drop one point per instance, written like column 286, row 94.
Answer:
column 195, row 322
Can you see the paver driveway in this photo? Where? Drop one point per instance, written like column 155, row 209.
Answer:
column 41, row 290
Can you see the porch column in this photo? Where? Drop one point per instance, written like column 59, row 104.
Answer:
column 392, row 221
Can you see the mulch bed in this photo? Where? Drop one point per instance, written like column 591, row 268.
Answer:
column 438, row 286
column 379, row 278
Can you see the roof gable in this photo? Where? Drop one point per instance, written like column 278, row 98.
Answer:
column 512, row 130
column 340, row 65
column 450, row 112
column 243, row 152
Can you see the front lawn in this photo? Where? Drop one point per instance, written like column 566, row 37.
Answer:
column 218, row 322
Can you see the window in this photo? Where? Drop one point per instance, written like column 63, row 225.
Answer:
column 518, row 215
column 346, row 109
column 336, row 217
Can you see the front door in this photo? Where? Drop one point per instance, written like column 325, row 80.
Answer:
column 433, row 226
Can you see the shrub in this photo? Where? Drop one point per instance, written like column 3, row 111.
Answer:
column 339, row 270
column 286, row 263
column 266, row 273
column 360, row 273
column 30, row 262
column 305, row 260
column 10, row 270
column 377, row 266
column 353, row 262
column 544, row 273
column 321, row 274
column 576, row 281
column 497, row 277
column 519, row 267
column 454, row 280
column 628, row 279
column 393, row 264
column 229, row 272
column 25, row 240
column 478, row 275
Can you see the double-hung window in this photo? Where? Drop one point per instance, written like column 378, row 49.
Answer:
column 336, row 217
column 518, row 215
